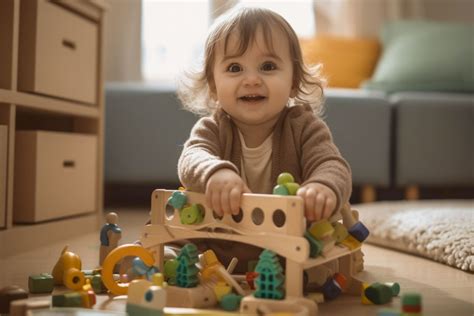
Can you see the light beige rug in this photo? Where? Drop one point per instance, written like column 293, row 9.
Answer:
column 442, row 230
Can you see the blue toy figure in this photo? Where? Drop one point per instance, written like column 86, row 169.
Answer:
column 110, row 234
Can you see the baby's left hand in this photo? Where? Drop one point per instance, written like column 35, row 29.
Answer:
column 319, row 201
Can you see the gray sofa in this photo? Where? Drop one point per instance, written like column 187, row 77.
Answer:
column 393, row 140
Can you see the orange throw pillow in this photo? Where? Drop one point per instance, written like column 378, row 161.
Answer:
column 347, row 62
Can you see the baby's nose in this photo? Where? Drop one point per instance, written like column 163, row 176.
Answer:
column 252, row 78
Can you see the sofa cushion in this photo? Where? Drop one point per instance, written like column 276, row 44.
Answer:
column 145, row 129
column 346, row 61
column 434, row 139
column 360, row 122
column 425, row 56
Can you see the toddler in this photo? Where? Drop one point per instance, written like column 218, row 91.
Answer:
column 260, row 105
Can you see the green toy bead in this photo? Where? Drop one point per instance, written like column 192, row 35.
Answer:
column 394, row 286
column 285, row 177
column 191, row 215
column 378, row 293
column 169, row 271
column 231, row 302
column 280, row 190
column 292, row 187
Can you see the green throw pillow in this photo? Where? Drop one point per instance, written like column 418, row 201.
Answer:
column 425, row 56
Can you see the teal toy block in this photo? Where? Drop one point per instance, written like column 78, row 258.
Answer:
column 178, row 199
column 315, row 246
column 270, row 280
column 280, row 189
column 379, row 293
column 187, row 271
column 230, row 302
column 41, row 283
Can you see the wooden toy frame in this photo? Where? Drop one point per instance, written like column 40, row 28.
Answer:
column 284, row 238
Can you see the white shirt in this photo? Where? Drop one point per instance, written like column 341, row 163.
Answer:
column 256, row 165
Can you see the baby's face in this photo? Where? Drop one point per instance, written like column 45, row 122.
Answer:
column 255, row 87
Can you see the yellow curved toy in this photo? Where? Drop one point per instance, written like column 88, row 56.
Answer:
column 114, row 257
column 67, row 271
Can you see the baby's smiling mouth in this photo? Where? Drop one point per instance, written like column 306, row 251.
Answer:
column 252, row 98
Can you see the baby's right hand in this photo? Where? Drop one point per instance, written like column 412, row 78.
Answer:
column 224, row 189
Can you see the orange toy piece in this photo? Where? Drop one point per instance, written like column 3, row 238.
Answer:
column 67, row 271
column 114, row 257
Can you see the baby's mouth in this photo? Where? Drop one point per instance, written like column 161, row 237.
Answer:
column 252, row 98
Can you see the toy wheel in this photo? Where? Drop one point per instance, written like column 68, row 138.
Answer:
column 114, row 257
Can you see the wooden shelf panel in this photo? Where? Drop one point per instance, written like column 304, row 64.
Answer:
column 27, row 100
column 20, row 238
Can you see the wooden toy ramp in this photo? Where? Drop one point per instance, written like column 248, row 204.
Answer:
column 267, row 221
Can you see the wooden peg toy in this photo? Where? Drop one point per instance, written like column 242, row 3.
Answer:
column 110, row 234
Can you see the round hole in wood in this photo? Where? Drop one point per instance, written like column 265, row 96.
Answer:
column 258, row 216
column 238, row 218
column 279, row 218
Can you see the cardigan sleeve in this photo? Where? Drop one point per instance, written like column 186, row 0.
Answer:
column 322, row 161
column 202, row 155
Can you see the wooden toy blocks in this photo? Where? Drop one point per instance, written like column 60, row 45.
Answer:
column 40, row 283
column 281, row 230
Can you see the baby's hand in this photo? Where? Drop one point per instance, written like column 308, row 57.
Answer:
column 224, row 189
column 319, row 201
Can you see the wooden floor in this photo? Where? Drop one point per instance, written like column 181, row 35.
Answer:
column 445, row 290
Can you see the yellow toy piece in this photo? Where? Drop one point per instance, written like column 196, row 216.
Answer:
column 210, row 263
column 114, row 257
column 221, row 289
column 67, row 271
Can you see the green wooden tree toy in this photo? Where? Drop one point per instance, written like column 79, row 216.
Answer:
column 270, row 278
column 187, row 272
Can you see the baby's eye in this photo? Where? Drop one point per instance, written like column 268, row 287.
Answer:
column 269, row 66
column 234, row 68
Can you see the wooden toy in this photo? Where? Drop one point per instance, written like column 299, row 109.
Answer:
column 411, row 303
column 9, row 294
column 394, row 287
column 187, row 272
column 281, row 231
column 84, row 298
column 114, row 257
column 110, row 234
column 230, row 302
column 286, row 185
column 22, row 307
column 378, row 293
column 355, row 228
column 146, row 298
column 40, row 283
column 67, row 271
